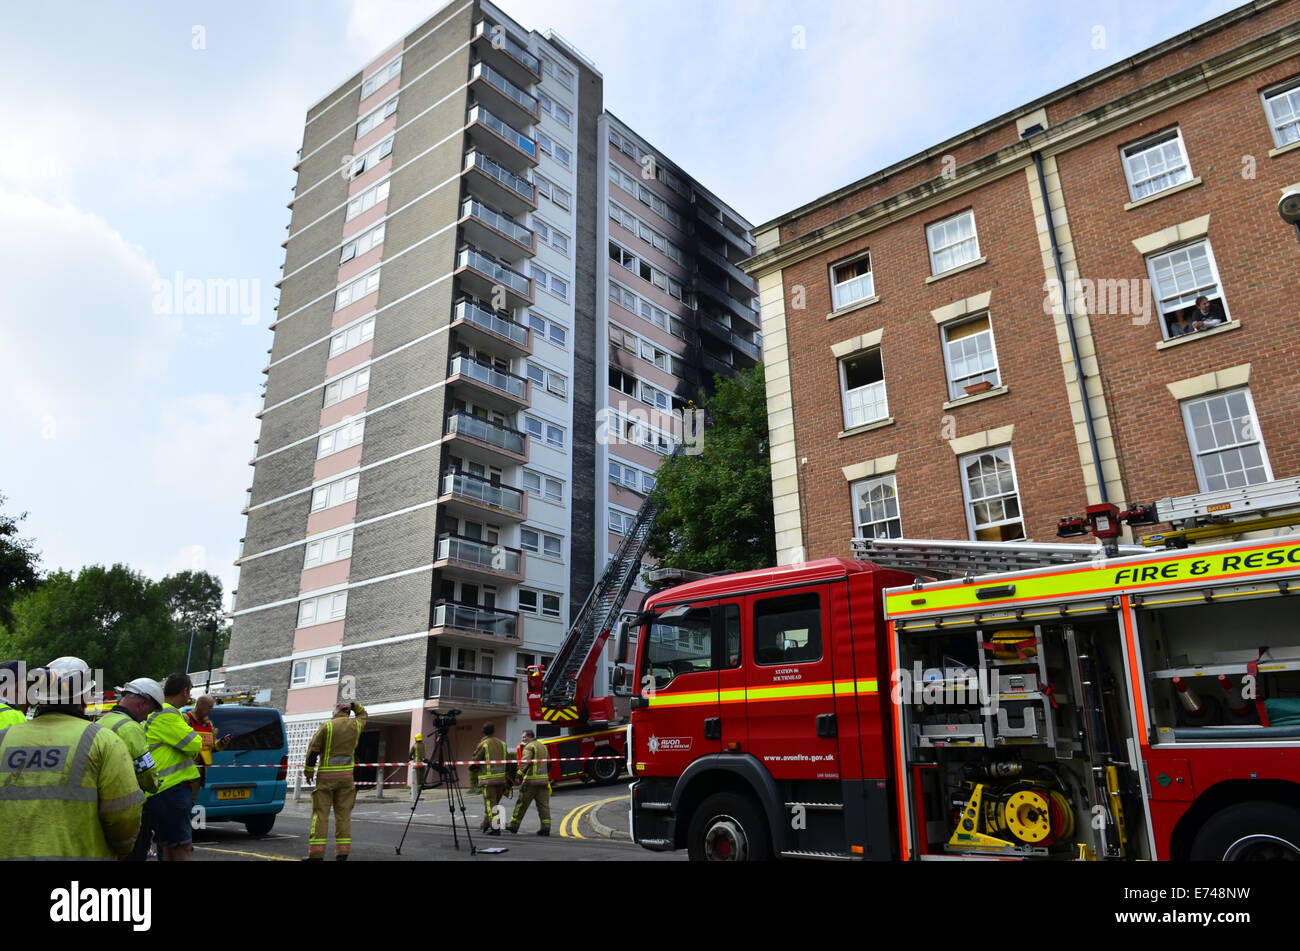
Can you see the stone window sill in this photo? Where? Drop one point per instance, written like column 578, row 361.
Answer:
column 969, row 265
column 1180, row 187
column 1199, row 335
column 853, row 307
column 867, row 427
column 1283, row 149
column 986, row 395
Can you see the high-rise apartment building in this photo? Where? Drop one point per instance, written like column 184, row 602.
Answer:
column 495, row 298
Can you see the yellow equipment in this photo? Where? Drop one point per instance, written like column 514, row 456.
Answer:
column 1021, row 814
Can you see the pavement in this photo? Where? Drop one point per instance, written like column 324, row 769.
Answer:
column 589, row 823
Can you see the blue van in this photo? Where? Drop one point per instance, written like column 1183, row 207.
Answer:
column 247, row 781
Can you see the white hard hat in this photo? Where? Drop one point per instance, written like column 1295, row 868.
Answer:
column 145, row 688
column 65, row 681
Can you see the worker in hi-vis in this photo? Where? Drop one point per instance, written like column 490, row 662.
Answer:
column 334, row 746
column 535, row 783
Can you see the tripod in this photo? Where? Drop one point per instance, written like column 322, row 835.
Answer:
column 448, row 777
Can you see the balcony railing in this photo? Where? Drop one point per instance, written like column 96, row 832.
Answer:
column 463, row 424
column 473, row 688
column 489, row 166
column 468, row 551
column 503, row 40
column 474, row 314
column 515, row 386
column 480, row 490
column 719, row 329
column 470, row 617
column 502, row 85
column 504, row 129
column 494, row 219
column 472, row 257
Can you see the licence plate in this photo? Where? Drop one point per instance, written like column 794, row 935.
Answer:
column 234, row 794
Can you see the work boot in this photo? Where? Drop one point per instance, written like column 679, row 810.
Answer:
column 341, row 858
column 493, row 831
column 543, row 831
column 513, row 828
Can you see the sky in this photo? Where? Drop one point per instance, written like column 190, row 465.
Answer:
column 148, row 150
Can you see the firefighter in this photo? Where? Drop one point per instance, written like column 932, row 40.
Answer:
column 335, row 746
column 489, row 772
column 69, row 791
column 137, row 701
column 173, row 746
column 416, row 756
column 11, row 710
column 200, row 722
column 535, row 780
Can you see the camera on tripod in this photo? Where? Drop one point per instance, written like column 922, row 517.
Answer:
column 440, row 771
column 442, row 722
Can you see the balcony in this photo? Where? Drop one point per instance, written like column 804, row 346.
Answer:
column 721, row 262
column 715, row 222
column 502, row 96
column 464, row 689
column 494, row 232
column 477, row 325
column 492, row 135
column 484, row 385
column 471, row 558
column 482, row 275
column 467, row 495
column 722, row 332
column 486, row 441
column 505, row 53
column 713, row 363
column 496, row 185
column 476, row 622
column 724, row 296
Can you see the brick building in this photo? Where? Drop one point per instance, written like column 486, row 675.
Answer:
column 927, row 298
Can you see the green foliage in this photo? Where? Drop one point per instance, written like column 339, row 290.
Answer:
column 18, row 565
column 114, row 619
column 716, row 507
column 195, row 601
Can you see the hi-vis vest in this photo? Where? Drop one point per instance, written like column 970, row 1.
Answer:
column 535, row 767
column 173, row 746
column 492, row 773
column 337, row 741
column 67, row 790
column 132, row 734
column 9, row 716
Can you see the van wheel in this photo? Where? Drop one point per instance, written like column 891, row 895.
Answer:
column 728, row 827
column 1250, row 832
column 258, row 826
column 602, row 772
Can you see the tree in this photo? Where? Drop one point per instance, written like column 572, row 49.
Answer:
column 114, row 619
column 716, row 507
column 194, row 599
column 18, row 565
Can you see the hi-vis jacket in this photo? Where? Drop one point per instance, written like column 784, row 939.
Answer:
column 535, row 764
column 336, row 743
column 67, row 790
column 173, row 746
column 132, row 734
column 493, row 771
column 9, row 716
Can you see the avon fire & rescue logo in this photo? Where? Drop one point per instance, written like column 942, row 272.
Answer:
column 670, row 744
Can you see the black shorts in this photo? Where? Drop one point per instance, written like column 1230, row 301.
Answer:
column 169, row 814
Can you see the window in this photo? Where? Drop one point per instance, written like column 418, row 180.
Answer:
column 549, row 282
column 970, row 356
column 327, row 550
column 552, row 236
column 875, row 508
column 1283, row 107
column 332, row 665
column 368, row 199
column 539, row 429
column 372, row 157
column 557, row 112
column 549, row 329
column 680, row 645
column 1181, row 277
column 629, row 477
column 953, row 242
column 655, row 397
column 1224, row 435
column 1156, row 163
column 862, row 383
column 543, row 487
column 358, row 246
column 381, row 77
column 353, row 292
column 322, row 610
column 548, row 379
column 648, row 311
column 347, row 387
column 992, row 500
column 376, row 118
column 557, row 72
column 788, row 630
column 552, row 192
column 311, row 672
column 345, row 437
column 301, row 669
column 852, row 282
column 625, row 181
column 549, row 146
column 354, row 336
column 335, row 493
column 539, row 602
column 620, row 523
column 540, row 543
column 623, row 382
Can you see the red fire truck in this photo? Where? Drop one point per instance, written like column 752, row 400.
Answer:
column 932, row 700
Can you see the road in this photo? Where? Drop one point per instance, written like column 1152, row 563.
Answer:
column 583, row 819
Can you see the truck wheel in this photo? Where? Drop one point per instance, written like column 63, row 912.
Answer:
column 259, row 825
column 602, row 772
column 728, row 827
column 1250, row 832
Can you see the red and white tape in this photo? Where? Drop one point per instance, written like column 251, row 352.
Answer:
column 459, row 762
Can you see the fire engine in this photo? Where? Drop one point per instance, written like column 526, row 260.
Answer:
column 965, row 700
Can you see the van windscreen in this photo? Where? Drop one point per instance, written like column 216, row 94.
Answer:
column 251, row 727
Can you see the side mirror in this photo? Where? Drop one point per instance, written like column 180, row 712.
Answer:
column 621, row 641
column 619, row 677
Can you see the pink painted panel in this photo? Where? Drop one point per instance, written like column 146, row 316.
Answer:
column 318, row 635
column 372, row 175
column 377, row 134
column 351, row 406
column 322, row 576
column 338, row 462
column 364, row 220
column 633, row 453
column 361, row 263
column 624, row 497
column 336, row 517
column 349, row 358
column 379, row 96
column 381, row 59
column 638, row 324
column 354, row 310
column 312, row 699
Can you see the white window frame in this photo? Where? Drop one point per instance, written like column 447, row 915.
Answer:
column 1251, row 426
column 620, row 522
column 341, row 438
column 324, row 609
column 332, row 676
column 381, row 77
column 549, row 147
column 360, row 245
column 865, row 283
column 543, row 490
column 368, row 199
column 869, row 485
column 550, row 235
column 549, row 281
column 932, row 229
column 652, row 395
column 553, row 332
column 556, row 111
column 353, row 337
column 300, row 673
column 553, row 192
column 1147, row 145
column 562, row 76
column 539, row 608
column 347, row 387
column 376, row 117
column 1290, row 90
column 355, row 290
column 548, row 545
column 372, row 157
column 336, row 493
column 996, row 451
column 1198, row 291
column 846, row 395
column 549, row 433
column 554, row 383
column 956, row 388
column 328, row 550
